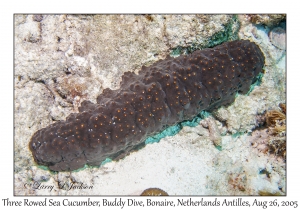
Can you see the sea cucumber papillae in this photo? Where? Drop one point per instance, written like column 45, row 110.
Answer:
column 167, row 92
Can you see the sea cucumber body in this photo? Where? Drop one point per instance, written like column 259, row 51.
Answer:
column 167, row 92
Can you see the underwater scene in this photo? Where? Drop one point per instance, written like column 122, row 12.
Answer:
column 152, row 105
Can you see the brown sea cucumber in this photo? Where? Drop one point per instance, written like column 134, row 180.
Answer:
column 163, row 94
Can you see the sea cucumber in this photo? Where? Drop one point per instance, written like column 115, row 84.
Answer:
column 163, row 94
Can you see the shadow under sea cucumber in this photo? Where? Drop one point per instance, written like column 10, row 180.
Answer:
column 163, row 94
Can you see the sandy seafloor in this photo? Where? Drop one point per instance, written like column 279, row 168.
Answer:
column 187, row 163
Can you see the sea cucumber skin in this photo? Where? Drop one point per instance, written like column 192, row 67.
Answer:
column 167, row 92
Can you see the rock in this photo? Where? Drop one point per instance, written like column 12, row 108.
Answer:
column 267, row 19
column 277, row 37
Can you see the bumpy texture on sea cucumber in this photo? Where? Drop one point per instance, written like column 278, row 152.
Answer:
column 167, row 92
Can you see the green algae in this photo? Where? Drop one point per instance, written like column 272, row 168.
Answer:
column 229, row 33
column 218, row 147
column 257, row 82
column 107, row 160
column 45, row 168
column 170, row 131
column 237, row 134
column 173, row 130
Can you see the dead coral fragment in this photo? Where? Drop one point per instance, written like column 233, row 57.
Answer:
column 214, row 132
column 154, row 192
